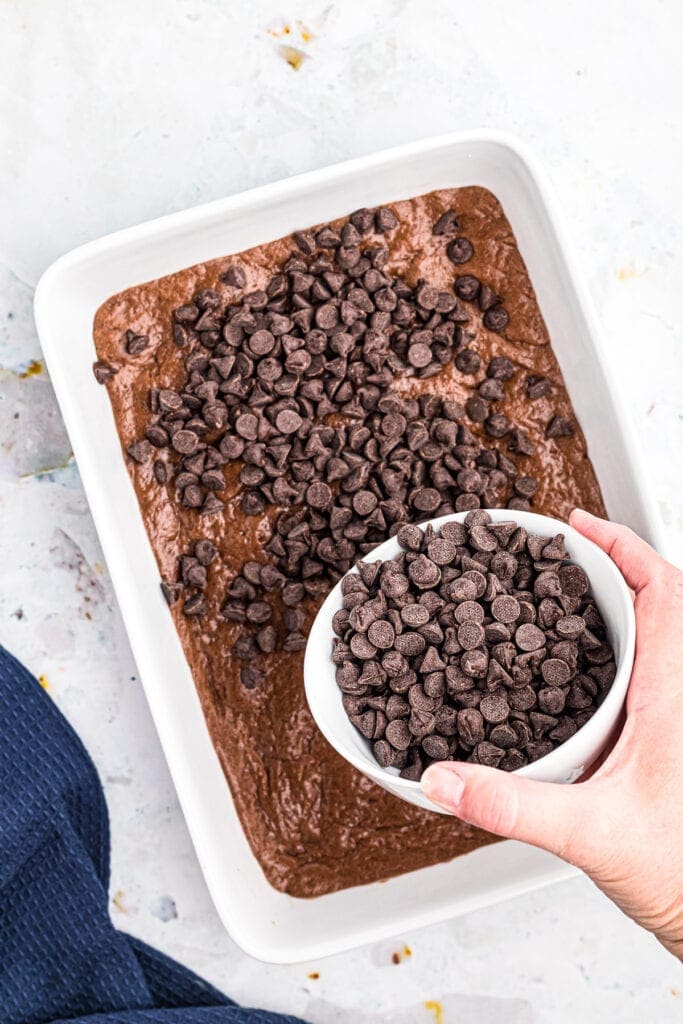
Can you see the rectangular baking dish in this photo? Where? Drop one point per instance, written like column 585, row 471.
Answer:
column 267, row 924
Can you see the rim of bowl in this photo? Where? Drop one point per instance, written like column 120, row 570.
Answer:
column 536, row 523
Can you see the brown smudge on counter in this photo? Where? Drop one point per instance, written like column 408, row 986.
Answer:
column 117, row 900
column 398, row 956
column 315, row 824
column 293, row 56
column 34, row 369
column 435, row 1007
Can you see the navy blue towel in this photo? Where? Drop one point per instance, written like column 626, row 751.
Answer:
column 60, row 956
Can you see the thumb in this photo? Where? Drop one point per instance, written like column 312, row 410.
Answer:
column 542, row 813
column 635, row 559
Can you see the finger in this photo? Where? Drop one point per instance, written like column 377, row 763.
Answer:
column 636, row 560
column 542, row 813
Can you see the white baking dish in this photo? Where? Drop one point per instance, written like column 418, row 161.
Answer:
column 268, row 924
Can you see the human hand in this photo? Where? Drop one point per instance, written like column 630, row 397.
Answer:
column 624, row 825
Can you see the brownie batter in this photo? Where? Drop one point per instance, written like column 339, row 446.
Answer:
column 314, row 823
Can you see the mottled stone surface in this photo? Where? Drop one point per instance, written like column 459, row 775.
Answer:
column 114, row 114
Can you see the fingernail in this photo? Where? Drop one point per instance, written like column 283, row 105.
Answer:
column 444, row 786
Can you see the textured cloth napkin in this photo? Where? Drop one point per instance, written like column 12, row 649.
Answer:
column 60, row 956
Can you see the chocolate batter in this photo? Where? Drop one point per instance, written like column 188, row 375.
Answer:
column 313, row 822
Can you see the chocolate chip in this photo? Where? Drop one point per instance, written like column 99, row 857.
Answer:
column 381, row 634
column 294, row 642
column 529, row 637
column 478, row 579
column 467, row 287
column 261, row 342
column 288, row 421
column 471, row 726
column 385, row 220
column 447, row 224
column 185, row 441
column 251, row 677
column 383, row 753
column 497, row 425
column 195, row 606
column 573, row 580
column 424, row 573
column 410, row 537
column 136, row 343
column 432, row 661
column 246, row 426
column 103, row 371
column 570, row 627
column 157, row 436
column 482, row 539
column 192, row 496
column 477, row 409
column 496, row 319
column 171, row 592
column 394, row 584
column 141, row 451
column 494, row 709
column 504, row 736
column 398, row 734
column 470, row 635
column 419, row 356
column 427, row 499
column 505, row 609
column 361, row 647
column 410, row 644
column 467, row 361
column 547, row 584
column 537, row 387
column 526, row 486
column 460, row 250
column 364, row 502
column 559, row 426
column 489, row 754
column 469, row 611
column 436, row 747
column 414, row 615
column 475, row 663
column 441, row 551
column 235, row 276
column 319, row 495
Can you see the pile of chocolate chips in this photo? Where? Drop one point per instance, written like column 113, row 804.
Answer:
column 478, row 643
column 294, row 384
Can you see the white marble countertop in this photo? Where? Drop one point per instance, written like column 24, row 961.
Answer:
column 114, row 113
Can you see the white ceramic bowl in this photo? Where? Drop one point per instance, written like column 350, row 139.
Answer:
column 564, row 764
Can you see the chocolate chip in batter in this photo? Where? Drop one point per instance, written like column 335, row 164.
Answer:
column 559, row 426
column 385, row 220
column 103, row 371
column 136, row 343
column 140, row 451
column 447, row 224
column 460, row 250
column 496, row 319
column 235, row 276
column 537, row 387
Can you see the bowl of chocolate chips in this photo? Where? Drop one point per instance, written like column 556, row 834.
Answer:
column 498, row 638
